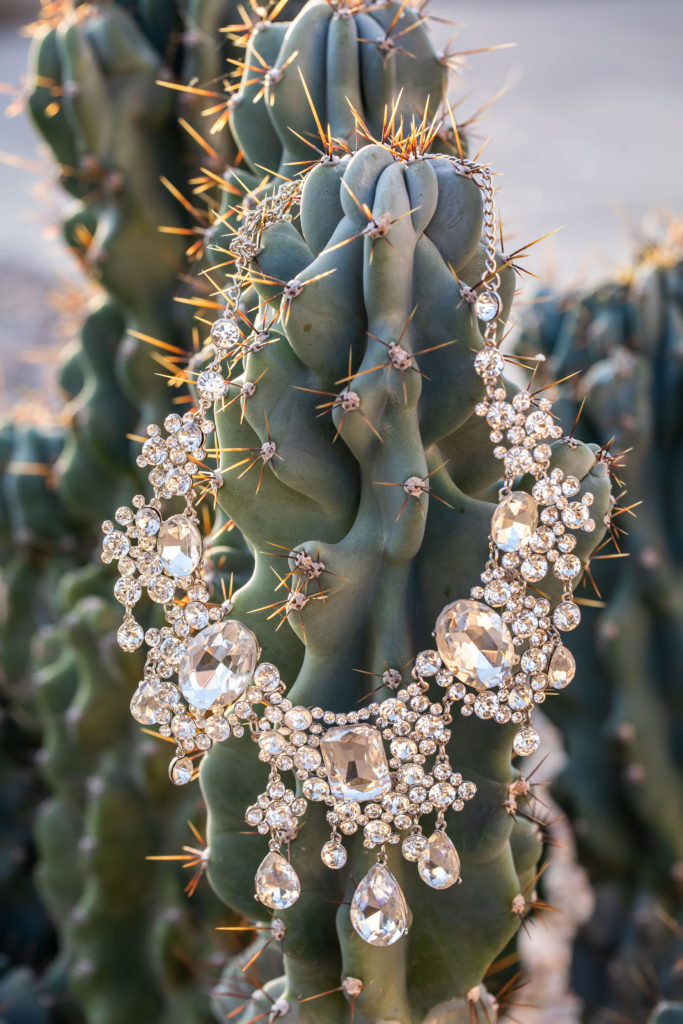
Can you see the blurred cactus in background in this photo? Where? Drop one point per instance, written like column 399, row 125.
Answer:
column 623, row 784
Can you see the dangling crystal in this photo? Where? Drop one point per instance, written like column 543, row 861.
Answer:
column 413, row 845
column 487, row 307
column 130, row 635
column 144, row 704
column 180, row 770
column 379, row 913
column 562, row 668
column 567, row 616
column 526, row 742
column 514, row 521
column 356, row 762
column 277, row 883
column 439, row 864
column 218, row 665
column 474, row 643
column 333, row 854
column 179, row 544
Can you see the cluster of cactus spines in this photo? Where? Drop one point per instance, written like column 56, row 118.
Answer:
column 305, row 86
column 353, row 58
column 384, row 243
column 623, row 784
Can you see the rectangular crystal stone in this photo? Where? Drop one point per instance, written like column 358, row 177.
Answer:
column 355, row 762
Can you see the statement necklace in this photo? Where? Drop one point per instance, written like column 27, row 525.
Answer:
column 383, row 768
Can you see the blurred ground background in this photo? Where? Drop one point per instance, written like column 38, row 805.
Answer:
column 588, row 136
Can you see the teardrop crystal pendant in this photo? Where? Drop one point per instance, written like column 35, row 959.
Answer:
column 379, row 913
column 218, row 664
column 179, row 544
column 474, row 643
column 514, row 520
column 562, row 668
column 277, row 883
column 439, row 864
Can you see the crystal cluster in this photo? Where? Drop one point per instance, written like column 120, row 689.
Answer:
column 505, row 640
column 199, row 663
column 378, row 770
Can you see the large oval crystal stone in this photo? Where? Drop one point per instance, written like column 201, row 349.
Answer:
column 379, row 913
column 474, row 643
column 439, row 864
column 179, row 544
column 277, row 883
column 514, row 521
column 218, row 665
column 356, row 762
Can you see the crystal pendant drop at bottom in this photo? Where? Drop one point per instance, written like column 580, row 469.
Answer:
column 277, row 883
column 180, row 771
column 379, row 913
column 439, row 864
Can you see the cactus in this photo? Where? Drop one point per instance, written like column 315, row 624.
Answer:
column 623, row 782
column 384, row 241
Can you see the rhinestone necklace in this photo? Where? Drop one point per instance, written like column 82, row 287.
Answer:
column 383, row 768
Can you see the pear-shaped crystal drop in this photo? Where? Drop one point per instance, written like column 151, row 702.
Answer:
column 218, row 664
column 179, row 544
column 439, row 864
column 562, row 668
column 379, row 913
column 277, row 883
column 514, row 520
